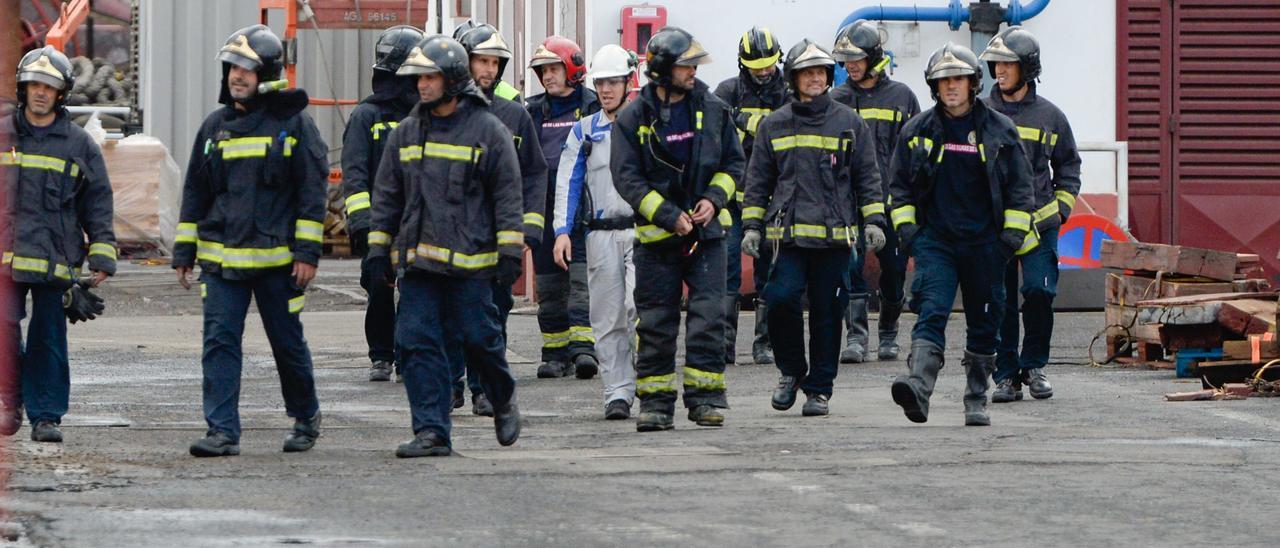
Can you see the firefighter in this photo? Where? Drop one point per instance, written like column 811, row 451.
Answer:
column 57, row 194
column 885, row 105
column 447, row 214
column 962, row 198
column 568, row 345
column 362, row 147
column 1014, row 59
column 675, row 157
column 814, row 174
column 583, row 180
column 489, row 55
column 756, row 91
column 253, row 208
column 500, row 89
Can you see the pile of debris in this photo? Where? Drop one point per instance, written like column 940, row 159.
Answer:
column 1208, row 314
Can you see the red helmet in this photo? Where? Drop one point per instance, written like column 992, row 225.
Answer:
column 558, row 49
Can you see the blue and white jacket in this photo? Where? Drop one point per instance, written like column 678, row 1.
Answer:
column 583, row 180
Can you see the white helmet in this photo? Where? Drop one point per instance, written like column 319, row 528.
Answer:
column 612, row 61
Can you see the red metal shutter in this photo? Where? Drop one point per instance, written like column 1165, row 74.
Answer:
column 1144, row 46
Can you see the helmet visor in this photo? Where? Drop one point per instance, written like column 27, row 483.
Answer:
column 56, row 82
column 694, row 56
column 997, row 51
column 417, row 63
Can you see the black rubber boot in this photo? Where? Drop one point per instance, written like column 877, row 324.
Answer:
column 654, row 421
column 506, row 423
column 426, row 444
column 816, row 406
column 215, row 444
column 977, row 372
column 784, row 396
column 855, row 345
column 1038, row 384
column 304, row 434
column 554, row 369
column 480, row 405
column 912, row 391
column 731, row 330
column 761, row 350
column 585, row 366
column 706, row 415
column 888, row 329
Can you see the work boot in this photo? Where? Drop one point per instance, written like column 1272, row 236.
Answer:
column 706, row 415
column 480, row 405
column 380, row 371
column 425, row 444
column 654, row 421
column 617, row 410
column 731, row 329
column 761, row 351
column 10, row 420
column 46, row 431
column 506, row 423
column 1038, row 384
column 554, row 369
column 459, row 398
column 304, row 434
column 912, row 391
column 977, row 371
column 1008, row 390
column 816, row 405
column 855, row 346
column 585, row 366
column 888, row 329
column 784, row 396
column 215, row 444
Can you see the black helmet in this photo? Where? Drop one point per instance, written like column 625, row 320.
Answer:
column 486, row 40
column 1015, row 45
column 255, row 48
column 462, row 29
column 861, row 40
column 953, row 60
column 672, row 46
column 444, row 55
column 393, row 47
column 758, row 49
column 48, row 66
column 804, row 55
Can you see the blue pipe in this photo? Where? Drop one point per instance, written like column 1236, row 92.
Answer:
column 955, row 14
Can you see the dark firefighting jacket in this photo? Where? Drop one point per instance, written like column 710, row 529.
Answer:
column 447, row 197
column 812, row 174
column 1051, row 149
column 914, row 169
column 533, row 167
column 57, row 192
column 885, row 107
column 645, row 174
column 750, row 103
column 255, row 194
column 363, row 142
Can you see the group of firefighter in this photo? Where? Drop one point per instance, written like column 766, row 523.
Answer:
column 632, row 203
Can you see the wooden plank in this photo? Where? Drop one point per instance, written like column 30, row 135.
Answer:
column 1218, row 373
column 1252, row 285
column 1191, row 310
column 1247, row 317
column 1177, row 337
column 1243, row 350
column 1191, row 261
column 1117, row 315
column 1129, row 290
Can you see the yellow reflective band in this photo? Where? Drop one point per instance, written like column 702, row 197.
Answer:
column 904, row 214
column 445, row 151
column 296, row 304
column 1053, row 140
column 1049, row 210
column 726, row 220
column 1029, row 133
column 309, row 231
column 883, row 64
column 510, row 237
column 1066, row 198
column 106, row 250
column 753, row 123
column 916, row 141
column 650, row 203
column 742, row 135
column 410, row 153
column 756, row 110
column 555, row 340
column 251, row 147
column 752, row 212
column 761, row 63
column 698, row 120
column 36, row 161
column 1030, row 242
column 808, row 231
column 1020, row 220
column 723, row 181
column 186, row 233
column 535, row 219
column 982, row 152
column 806, row 141
column 703, row 380
column 643, row 132
column 882, row 114
column 377, row 128
column 378, row 237
column 844, row 233
column 773, row 233
column 357, row 202
column 460, row 260
column 656, row 384
column 41, row 266
column 740, row 196
column 243, row 258
column 872, row 209
column 583, row 334
column 204, row 291
column 648, row 234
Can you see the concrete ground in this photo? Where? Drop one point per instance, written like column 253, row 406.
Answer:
column 1105, row 462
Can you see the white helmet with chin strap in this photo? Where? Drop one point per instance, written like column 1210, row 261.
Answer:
column 612, row 61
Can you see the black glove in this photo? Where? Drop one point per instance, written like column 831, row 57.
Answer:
column 376, row 270
column 1011, row 241
column 359, row 242
column 509, row 269
column 907, row 234
column 80, row 304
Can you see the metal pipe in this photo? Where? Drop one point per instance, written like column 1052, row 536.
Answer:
column 117, row 111
column 954, row 14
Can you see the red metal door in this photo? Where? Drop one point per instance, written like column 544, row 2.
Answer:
column 1144, row 51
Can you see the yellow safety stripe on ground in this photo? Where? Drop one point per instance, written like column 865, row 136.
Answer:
column 648, row 234
column 106, row 250
column 703, row 380
column 726, row 220
column 186, row 233
column 655, row 384
column 752, row 212
column 904, row 214
column 446, row 151
column 378, row 237
column 36, row 161
column 806, row 141
column 377, row 128
column 1049, row 210
column 245, row 258
column 723, row 181
column 296, row 304
column 461, row 260
column 252, row 147
column 308, row 231
column 1020, row 220
column 31, row 264
column 1030, row 242
column 510, row 237
column 579, row 333
column 535, row 219
column 872, row 209
column 357, row 202
column 1066, row 198
column 650, row 203
column 555, row 340
column 882, row 114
